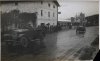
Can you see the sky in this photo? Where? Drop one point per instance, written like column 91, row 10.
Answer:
column 71, row 8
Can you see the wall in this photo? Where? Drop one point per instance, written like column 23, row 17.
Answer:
column 32, row 7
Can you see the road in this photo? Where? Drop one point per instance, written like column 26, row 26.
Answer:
column 61, row 45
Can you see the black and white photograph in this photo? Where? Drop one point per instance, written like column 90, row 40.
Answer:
column 49, row 30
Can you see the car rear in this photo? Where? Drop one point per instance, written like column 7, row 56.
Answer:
column 81, row 30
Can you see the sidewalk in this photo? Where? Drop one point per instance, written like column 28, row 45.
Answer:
column 87, row 52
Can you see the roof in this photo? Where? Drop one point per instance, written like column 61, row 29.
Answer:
column 56, row 2
column 10, row 1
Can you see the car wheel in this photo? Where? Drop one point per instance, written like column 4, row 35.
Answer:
column 24, row 42
column 40, row 43
column 9, row 46
column 76, row 32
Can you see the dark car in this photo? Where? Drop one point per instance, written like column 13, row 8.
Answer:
column 23, row 37
column 80, row 30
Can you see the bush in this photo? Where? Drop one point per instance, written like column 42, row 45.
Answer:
column 95, row 42
column 87, row 53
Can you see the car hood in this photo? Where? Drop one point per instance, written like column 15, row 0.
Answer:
column 20, row 30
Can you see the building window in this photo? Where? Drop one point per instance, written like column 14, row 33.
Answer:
column 53, row 6
column 49, row 4
column 48, row 14
column 16, row 3
column 53, row 14
column 41, row 12
column 41, row 2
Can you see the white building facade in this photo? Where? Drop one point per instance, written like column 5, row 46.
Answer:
column 47, row 12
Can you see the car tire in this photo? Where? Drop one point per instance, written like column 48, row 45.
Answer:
column 9, row 46
column 40, row 43
column 24, row 42
column 77, row 32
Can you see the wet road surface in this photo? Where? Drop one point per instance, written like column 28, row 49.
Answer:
column 61, row 45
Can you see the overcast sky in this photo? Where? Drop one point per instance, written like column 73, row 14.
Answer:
column 71, row 8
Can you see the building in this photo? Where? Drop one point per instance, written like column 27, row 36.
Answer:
column 79, row 19
column 46, row 11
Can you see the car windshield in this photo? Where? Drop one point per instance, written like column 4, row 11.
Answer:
column 81, row 28
column 20, row 30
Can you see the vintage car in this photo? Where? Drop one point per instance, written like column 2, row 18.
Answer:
column 23, row 37
column 80, row 30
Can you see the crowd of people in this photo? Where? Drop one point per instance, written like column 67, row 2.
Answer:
column 49, row 28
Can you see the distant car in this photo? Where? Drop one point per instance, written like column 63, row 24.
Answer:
column 23, row 37
column 80, row 30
